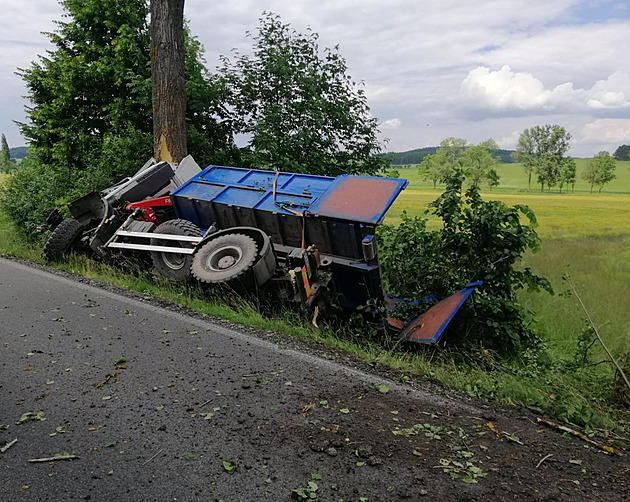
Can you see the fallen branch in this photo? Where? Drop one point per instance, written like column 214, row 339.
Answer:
column 543, row 459
column 564, row 428
column 55, row 458
column 590, row 321
column 7, row 446
column 152, row 457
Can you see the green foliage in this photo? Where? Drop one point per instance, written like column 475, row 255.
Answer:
column 479, row 240
column 5, row 156
column 89, row 123
column 476, row 162
column 479, row 164
column 32, row 193
column 305, row 494
column 301, row 109
column 622, row 152
column 566, row 175
column 600, row 170
column 541, row 149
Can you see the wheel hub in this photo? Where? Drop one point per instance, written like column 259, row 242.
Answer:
column 223, row 258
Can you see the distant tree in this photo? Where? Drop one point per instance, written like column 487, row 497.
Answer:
column 542, row 150
column 622, row 153
column 5, row 156
column 452, row 148
column 567, row 173
column 493, row 178
column 525, row 153
column 300, row 108
column 600, row 170
column 436, row 167
column 478, row 162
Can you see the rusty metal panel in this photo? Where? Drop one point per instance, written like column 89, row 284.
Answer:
column 359, row 198
column 428, row 327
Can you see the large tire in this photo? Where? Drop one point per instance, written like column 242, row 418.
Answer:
column 225, row 259
column 62, row 239
column 173, row 266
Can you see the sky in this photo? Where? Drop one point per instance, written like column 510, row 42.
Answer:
column 431, row 69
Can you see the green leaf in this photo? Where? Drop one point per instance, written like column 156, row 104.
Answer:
column 383, row 389
column 229, row 466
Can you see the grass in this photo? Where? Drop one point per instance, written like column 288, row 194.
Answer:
column 594, row 249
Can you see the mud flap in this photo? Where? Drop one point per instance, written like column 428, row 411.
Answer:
column 428, row 327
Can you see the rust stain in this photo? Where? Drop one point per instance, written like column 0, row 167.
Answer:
column 428, row 324
column 357, row 198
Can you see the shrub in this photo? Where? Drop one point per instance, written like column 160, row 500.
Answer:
column 479, row 240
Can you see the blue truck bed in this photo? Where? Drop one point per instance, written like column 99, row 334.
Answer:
column 338, row 212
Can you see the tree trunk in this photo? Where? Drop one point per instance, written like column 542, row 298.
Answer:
column 168, row 80
column 529, row 182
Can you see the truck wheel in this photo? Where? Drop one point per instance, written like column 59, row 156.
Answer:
column 225, row 258
column 174, row 266
column 61, row 240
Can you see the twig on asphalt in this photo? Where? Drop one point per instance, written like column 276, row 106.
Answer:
column 153, row 457
column 205, row 402
column 8, row 445
column 53, row 459
column 564, row 428
column 543, row 459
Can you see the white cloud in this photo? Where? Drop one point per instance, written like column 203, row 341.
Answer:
column 507, row 90
column 606, row 131
column 390, row 124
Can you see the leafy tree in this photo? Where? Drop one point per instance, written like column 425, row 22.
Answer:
column 5, row 156
column 479, row 240
column 622, row 153
column 479, row 163
column 567, row 174
column 541, row 149
column 436, row 167
column 600, row 170
column 302, row 111
column 89, row 121
column 452, row 148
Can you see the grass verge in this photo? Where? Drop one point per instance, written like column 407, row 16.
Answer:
column 576, row 396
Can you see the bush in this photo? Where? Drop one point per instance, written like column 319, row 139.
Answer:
column 37, row 188
column 479, row 240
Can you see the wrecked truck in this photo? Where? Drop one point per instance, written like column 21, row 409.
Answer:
column 300, row 238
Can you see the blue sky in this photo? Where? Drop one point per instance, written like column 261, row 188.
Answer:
column 431, row 69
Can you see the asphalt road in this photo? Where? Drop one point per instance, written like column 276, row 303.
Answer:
column 160, row 406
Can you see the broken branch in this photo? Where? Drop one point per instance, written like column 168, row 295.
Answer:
column 55, row 458
column 564, row 428
column 8, row 445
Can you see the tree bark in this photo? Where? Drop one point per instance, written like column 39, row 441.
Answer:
column 168, row 80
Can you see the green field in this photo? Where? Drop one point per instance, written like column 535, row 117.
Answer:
column 513, row 179
column 560, row 215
